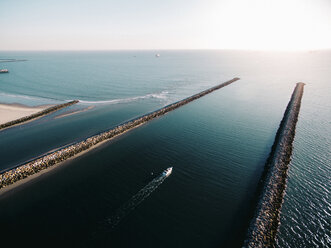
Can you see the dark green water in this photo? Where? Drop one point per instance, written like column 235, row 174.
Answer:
column 217, row 146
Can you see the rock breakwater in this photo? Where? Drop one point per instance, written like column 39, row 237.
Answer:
column 13, row 175
column 37, row 115
column 263, row 229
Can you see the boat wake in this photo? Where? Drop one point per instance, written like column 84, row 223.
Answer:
column 138, row 198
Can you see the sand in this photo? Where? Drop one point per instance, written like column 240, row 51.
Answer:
column 74, row 112
column 10, row 112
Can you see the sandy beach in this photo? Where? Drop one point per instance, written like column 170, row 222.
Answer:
column 10, row 112
column 15, row 114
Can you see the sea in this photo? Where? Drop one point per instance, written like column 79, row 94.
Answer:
column 117, row 196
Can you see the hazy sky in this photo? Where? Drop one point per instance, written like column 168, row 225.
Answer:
column 164, row 24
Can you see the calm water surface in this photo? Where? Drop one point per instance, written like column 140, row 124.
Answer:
column 217, row 145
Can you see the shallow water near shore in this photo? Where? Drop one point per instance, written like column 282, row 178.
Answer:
column 217, row 145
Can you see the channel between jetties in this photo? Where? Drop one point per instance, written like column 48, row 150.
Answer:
column 32, row 167
column 264, row 226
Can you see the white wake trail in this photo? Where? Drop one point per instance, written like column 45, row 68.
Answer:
column 136, row 200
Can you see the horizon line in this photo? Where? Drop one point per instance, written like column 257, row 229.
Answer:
column 168, row 49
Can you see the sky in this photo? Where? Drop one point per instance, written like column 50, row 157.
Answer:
column 165, row 24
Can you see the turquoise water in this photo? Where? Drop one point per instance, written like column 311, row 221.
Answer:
column 217, row 146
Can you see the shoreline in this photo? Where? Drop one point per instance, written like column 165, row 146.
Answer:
column 20, row 105
column 265, row 223
column 14, row 175
column 12, row 111
column 19, row 114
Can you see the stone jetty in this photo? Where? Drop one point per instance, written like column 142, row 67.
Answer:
column 37, row 115
column 12, row 60
column 264, row 226
column 13, row 175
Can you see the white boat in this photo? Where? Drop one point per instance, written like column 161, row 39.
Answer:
column 157, row 55
column 167, row 172
column 4, row 71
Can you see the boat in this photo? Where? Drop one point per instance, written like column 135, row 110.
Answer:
column 167, row 172
column 4, row 71
column 157, row 55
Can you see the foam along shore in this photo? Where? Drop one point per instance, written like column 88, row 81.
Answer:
column 11, row 115
column 13, row 175
column 264, row 226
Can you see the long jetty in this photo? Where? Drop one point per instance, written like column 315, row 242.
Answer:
column 264, row 226
column 32, row 167
column 37, row 115
column 12, row 60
